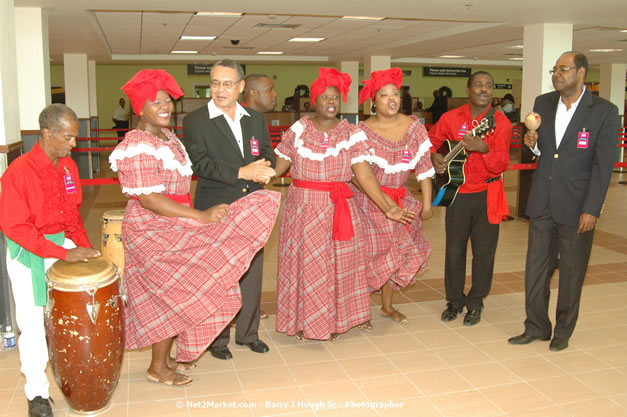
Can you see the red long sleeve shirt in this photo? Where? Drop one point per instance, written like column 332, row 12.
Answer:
column 34, row 202
column 479, row 166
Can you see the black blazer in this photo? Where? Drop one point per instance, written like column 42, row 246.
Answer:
column 570, row 180
column 216, row 157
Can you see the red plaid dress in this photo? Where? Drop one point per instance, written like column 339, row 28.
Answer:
column 182, row 274
column 321, row 285
column 395, row 253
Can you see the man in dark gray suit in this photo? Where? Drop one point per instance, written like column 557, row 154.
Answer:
column 230, row 150
column 576, row 145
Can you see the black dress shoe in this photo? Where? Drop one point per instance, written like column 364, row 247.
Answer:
column 472, row 317
column 221, row 352
column 256, row 346
column 39, row 407
column 525, row 339
column 558, row 344
column 450, row 313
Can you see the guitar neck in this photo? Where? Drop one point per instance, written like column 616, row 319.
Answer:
column 454, row 152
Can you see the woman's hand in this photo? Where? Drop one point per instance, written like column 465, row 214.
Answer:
column 426, row 213
column 399, row 214
column 214, row 214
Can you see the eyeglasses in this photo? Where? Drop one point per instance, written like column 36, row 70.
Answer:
column 215, row 84
column 561, row 69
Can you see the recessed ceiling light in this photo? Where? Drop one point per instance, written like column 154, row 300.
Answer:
column 306, row 39
column 605, row 50
column 362, row 18
column 270, row 53
column 451, row 56
column 197, row 38
column 184, row 52
column 516, row 47
column 218, row 14
column 624, row 30
column 517, row 58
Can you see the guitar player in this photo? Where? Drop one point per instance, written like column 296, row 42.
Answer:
column 480, row 204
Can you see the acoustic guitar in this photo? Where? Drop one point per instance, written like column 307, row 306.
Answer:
column 446, row 185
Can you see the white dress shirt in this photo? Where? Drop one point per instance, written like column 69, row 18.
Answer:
column 234, row 124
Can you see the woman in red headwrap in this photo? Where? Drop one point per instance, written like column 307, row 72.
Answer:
column 321, row 285
column 398, row 144
column 182, row 265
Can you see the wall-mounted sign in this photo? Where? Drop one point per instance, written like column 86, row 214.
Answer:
column 503, row 86
column 445, row 72
column 406, row 73
column 199, row 69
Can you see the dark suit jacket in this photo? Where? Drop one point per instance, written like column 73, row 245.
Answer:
column 216, row 157
column 571, row 180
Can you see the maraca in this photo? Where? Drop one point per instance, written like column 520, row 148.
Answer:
column 532, row 121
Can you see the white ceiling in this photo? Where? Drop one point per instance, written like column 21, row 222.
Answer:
column 415, row 31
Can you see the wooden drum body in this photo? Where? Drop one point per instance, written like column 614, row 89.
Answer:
column 85, row 331
column 111, row 244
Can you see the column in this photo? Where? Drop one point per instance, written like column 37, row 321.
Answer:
column 76, row 78
column 613, row 89
column 543, row 44
column 351, row 107
column 33, row 60
column 371, row 64
column 93, row 111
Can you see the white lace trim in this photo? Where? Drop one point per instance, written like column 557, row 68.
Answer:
column 400, row 167
column 144, row 190
column 298, row 129
column 163, row 154
column 360, row 158
column 430, row 173
column 282, row 155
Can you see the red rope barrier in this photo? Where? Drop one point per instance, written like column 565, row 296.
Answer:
column 101, row 149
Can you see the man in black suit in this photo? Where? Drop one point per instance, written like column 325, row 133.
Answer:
column 230, row 150
column 576, row 145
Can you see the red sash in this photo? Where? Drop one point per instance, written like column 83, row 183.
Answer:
column 396, row 194
column 184, row 199
column 496, row 202
column 339, row 192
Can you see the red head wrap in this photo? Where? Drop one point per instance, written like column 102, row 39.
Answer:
column 377, row 80
column 146, row 83
column 330, row 77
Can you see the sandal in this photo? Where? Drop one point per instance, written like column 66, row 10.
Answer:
column 333, row 337
column 299, row 335
column 180, row 366
column 263, row 314
column 174, row 380
column 396, row 316
column 367, row 326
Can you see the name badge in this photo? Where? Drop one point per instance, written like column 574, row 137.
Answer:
column 325, row 143
column 462, row 131
column 254, row 146
column 70, row 188
column 582, row 139
column 405, row 156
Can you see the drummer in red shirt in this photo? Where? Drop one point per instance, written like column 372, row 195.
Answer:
column 39, row 215
column 480, row 203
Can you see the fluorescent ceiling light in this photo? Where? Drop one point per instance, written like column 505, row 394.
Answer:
column 184, row 52
column 451, row 56
column 362, row 18
column 516, row 47
column 605, row 50
column 306, row 39
column 270, row 53
column 624, row 30
column 197, row 38
column 218, row 14
column 518, row 58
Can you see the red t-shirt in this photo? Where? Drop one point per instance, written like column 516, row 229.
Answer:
column 36, row 201
column 479, row 166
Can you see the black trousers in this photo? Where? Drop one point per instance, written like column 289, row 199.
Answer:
column 121, row 124
column 467, row 218
column 547, row 240
column 247, row 325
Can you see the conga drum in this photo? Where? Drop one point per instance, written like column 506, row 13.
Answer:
column 85, row 331
column 111, row 244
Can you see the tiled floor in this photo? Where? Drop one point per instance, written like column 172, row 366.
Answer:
column 424, row 368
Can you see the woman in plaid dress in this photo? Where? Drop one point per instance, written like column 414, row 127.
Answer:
column 398, row 145
column 321, row 286
column 182, row 265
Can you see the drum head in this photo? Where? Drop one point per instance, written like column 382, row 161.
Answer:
column 113, row 215
column 95, row 273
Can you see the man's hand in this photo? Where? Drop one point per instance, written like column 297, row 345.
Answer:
column 214, row 214
column 81, row 254
column 437, row 159
column 259, row 171
column 474, row 144
column 531, row 138
column 586, row 222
